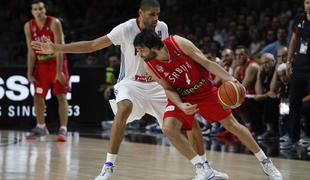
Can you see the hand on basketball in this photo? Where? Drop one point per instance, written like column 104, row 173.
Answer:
column 188, row 108
column 46, row 47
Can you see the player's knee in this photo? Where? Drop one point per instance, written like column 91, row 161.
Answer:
column 39, row 100
column 124, row 107
column 168, row 131
column 231, row 125
column 61, row 98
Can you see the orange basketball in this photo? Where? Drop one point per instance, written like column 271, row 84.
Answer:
column 231, row 94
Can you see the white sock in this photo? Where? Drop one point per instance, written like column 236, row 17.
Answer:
column 204, row 157
column 111, row 158
column 197, row 159
column 63, row 127
column 260, row 155
column 41, row 125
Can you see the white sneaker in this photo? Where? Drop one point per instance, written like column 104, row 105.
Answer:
column 219, row 175
column 270, row 170
column 203, row 172
column 106, row 172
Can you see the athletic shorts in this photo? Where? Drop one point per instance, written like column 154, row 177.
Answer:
column 146, row 97
column 45, row 73
column 209, row 108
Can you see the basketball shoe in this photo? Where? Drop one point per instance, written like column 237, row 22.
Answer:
column 62, row 135
column 106, row 172
column 270, row 170
column 203, row 172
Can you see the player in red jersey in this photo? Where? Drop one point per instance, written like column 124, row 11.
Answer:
column 182, row 70
column 45, row 70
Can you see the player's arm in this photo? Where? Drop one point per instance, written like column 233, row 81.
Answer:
column 290, row 52
column 291, row 47
column 172, row 94
column 196, row 55
column 49, row 47
column 59, row 39
column 31, row 57
column 250, row 75
column 258, row 83
column 260, row 95
column 274, row 86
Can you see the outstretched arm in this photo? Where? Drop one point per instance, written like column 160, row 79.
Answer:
column 196, row 55
column 49, row 47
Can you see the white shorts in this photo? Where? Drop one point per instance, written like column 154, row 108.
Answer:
column 147, row 98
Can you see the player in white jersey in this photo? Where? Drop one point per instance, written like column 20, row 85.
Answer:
column 136, row 92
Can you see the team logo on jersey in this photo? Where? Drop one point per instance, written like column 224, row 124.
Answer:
column 159, row 34
column 170, row 108
column 159, row 68
column 34, row 29
column 177, row 53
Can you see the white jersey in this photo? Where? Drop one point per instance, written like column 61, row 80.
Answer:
column 131, row 63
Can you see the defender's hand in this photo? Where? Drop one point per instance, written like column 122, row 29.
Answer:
column 46, row 47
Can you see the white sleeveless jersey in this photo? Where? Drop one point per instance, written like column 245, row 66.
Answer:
column 131, row 63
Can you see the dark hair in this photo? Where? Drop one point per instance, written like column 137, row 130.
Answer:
column 244, row 48
column 37, row 2
column 147, row 4
column 148, row 38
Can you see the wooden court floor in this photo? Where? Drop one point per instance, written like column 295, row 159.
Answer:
column 81, row 159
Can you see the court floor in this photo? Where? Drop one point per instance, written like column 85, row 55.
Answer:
column 81, row 159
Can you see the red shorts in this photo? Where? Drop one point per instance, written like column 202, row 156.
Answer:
column 45, row 73
column 209, row 108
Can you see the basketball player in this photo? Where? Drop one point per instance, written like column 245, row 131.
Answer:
column 45, row 70
column 136, row 91
column 183, row 71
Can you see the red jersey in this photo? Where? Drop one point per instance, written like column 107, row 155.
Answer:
column 37, row 34
column 189, row 78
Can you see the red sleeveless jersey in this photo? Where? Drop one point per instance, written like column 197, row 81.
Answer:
column 185, row 75
column 37, row 34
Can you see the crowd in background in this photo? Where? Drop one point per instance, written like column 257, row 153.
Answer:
column 248, row 38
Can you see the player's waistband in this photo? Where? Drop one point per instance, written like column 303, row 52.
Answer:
column 186, row 91
column 45, row 57
column 144, row 78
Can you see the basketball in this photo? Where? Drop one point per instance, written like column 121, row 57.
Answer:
column 231, row 94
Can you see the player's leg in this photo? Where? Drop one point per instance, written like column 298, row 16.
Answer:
column 244, row 135
column 127, row 107
column 196, row 140
column 172, row 129
column 40, row 129
column 60, row 90
column 63, row 117
column 40, row 88
column 124, row 109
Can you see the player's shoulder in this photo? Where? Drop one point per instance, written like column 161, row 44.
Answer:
column 129, row 23
column 162, row 24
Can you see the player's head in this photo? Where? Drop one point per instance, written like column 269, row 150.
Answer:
column 307, row 6
column 38, row 9
column 282, row 55
column 147, row 42
column 227, row 56
column 267, row 62
column 149, row 12
column 282, row 73
column 241, row 55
